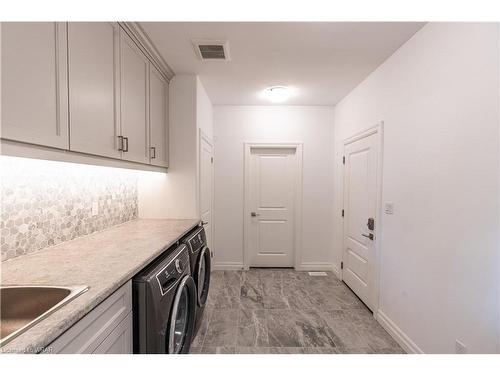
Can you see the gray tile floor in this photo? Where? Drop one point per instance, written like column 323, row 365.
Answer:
column 285, row 311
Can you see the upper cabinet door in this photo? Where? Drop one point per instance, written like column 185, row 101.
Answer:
column 158, row 118
column 34, row 83
column 134, row 101
column 93, row 54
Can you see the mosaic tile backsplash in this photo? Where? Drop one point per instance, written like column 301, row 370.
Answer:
column 44, row 203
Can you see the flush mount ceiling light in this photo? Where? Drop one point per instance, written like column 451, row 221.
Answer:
column 277, row 94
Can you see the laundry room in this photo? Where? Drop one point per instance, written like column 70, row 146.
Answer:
column 283, row 188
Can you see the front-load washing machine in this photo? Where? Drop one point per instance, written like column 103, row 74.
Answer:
column 164, row 303
column 200, row 258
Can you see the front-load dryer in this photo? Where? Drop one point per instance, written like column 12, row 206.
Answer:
column 164, row 302
column 200, row 258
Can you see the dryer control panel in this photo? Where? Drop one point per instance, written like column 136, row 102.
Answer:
column 197, row 240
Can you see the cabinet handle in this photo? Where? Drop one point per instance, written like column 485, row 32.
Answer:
column 153, row 150
column 125, row 144
column 120, row 143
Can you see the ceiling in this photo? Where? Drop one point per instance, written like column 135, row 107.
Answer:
column 321, row 61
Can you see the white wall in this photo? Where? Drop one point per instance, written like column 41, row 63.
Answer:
column 175, row 194
column 233, row 126
column 438, row 98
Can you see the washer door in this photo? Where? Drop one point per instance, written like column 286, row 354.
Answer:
column 202, row 276
column 182, row 318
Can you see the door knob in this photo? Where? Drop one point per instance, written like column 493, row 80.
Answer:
column 370, row 236
column 253, row 214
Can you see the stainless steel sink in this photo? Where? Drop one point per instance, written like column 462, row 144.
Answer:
column 21, row 307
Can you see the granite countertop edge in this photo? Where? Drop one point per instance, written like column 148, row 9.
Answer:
column 32, row 340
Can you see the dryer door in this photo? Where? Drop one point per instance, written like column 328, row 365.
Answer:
column 182, row 318
column 202, row 276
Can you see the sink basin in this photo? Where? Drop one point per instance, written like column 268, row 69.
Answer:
column 21, row 307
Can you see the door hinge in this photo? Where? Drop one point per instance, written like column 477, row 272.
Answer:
column 343, row 159
column 341, row 265
column 342, row 213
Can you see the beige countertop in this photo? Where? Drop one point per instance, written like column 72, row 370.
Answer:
column 102, row 261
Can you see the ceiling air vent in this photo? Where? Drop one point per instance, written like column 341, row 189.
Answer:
column 211, row 49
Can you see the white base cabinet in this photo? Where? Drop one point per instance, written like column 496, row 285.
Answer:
column 105, row 329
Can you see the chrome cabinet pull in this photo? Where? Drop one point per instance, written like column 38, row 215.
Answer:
column 254, row 214
column 153, row 152
column 125, row 144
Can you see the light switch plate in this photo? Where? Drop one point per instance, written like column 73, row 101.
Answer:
column 389, row 208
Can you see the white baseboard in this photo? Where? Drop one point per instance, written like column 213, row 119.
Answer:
column 314, row 266
column 397, row 334
column 221, row 266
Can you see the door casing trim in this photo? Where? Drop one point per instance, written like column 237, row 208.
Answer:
column 203, row 137
column 379, row 130
column 297, row 212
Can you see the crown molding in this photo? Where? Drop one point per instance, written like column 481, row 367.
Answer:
column 137, row 33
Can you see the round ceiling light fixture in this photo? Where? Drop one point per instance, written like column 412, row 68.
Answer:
column 277, row 94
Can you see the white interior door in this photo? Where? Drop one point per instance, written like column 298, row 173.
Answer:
column 206, row 188
column 271, row 190
column 360, row 204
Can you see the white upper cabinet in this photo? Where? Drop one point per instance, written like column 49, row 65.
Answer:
column 87, row 87
column 158, row 118
column 134, row 97
column 93, row 55
column 34, row 83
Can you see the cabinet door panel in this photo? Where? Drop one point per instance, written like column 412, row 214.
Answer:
column 134, row 101
column 158, row 117
column 34, row 83
column 93, row 55
column 120, row 341
column 89, row 332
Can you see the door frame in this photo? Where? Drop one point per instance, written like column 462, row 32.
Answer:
column 204, row 137
column 379, row 130
column 297, row 200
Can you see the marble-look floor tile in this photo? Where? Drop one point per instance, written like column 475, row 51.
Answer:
column 251, row 296
column 251, row 350
column 252, row 328
column 389, row 351
column 217, row 350
column 355, row 329
column 284, row 311
column 314, row 330
column 286, row 350
column 282, row 329
column 320, row 350
column 222, row 328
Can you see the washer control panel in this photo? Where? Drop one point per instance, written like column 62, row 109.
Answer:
column 173, row 271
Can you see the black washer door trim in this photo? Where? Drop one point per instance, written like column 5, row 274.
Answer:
column 205, row 256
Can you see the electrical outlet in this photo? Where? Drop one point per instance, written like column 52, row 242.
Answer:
column 95, row 209
column 460, row 347
column 389, row 208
